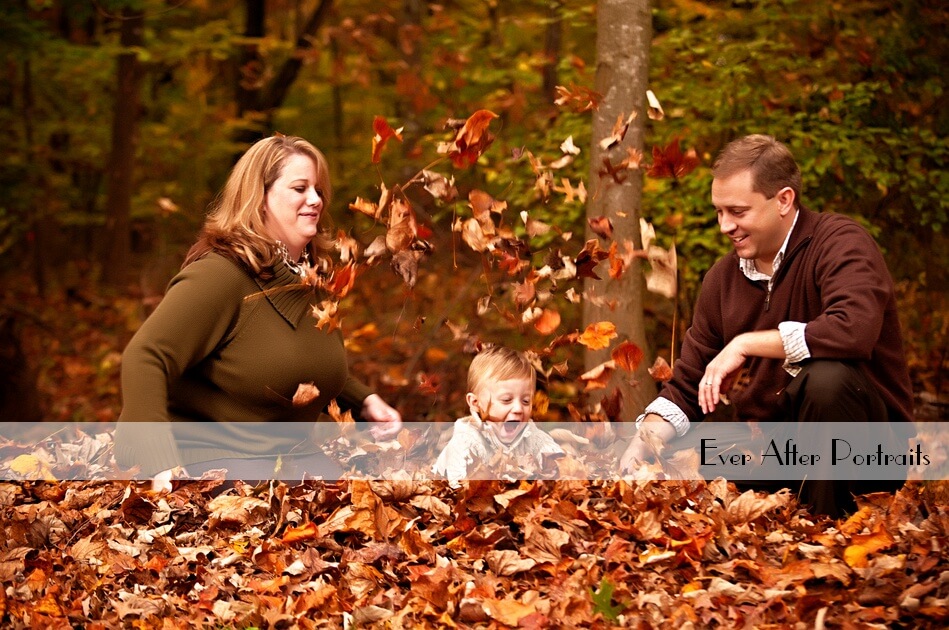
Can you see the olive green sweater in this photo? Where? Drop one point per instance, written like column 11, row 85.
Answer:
column 224, row 348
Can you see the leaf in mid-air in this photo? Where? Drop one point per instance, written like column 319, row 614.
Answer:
column 598, row 335
column 471, row 140
column 382, row 132
column 670, row 161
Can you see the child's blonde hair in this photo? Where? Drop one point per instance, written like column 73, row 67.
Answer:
column 497, row 363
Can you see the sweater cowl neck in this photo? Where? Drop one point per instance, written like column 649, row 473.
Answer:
column 287, row 293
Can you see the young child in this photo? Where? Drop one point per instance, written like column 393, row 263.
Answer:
column 500, row 397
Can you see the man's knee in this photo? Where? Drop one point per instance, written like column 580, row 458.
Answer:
column 834, row 390
column 825, row 382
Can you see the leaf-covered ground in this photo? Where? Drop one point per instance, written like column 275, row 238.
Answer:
column 407, row 553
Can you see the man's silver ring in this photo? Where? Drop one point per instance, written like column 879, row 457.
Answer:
column 708, row 384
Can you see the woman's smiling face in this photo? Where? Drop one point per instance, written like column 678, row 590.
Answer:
column 293, row 205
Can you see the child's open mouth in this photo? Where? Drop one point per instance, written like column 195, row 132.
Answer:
column 508, row 430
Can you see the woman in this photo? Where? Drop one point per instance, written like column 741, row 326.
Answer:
column 223, row 355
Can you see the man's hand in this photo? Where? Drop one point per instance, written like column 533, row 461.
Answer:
column 716, row 381
column 713, row 383
column 653, row 433
column 389, row 421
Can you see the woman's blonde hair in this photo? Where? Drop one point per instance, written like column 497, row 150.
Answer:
column 235, row 224
column 498, row 363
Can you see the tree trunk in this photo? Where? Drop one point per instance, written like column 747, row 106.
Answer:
column 38, row 220
column 248, row 76
column 122, row 158
column 553, row 37
column 624, row 34
column 277, row 91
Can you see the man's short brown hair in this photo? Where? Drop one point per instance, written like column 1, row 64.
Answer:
column 771, row 164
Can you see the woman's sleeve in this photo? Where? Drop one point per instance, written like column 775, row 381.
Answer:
column 200, row 307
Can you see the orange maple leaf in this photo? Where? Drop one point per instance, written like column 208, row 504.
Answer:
column 382, row 133
column 366, row 207
column 598, row 335
column 326, row 314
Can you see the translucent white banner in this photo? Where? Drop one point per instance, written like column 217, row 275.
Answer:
column 566, row 451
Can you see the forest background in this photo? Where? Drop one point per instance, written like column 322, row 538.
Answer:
column 123, row 119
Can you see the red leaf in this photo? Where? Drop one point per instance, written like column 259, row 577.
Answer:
column 589, row 258
column 627, row 356
column 429, row 384
column 382, row 132
column 660, row 370
column 471, row 140
column 671, row 162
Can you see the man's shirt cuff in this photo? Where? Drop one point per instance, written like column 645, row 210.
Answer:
column 670, row 412
column 795, row 345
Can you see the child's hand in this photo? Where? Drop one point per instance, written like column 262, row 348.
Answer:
column 389, row 421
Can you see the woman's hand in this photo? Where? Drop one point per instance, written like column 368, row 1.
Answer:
column 388, row 420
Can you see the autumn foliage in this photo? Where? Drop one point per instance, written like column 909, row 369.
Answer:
column 410, row 553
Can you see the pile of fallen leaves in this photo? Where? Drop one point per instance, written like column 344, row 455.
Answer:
column 408, row 552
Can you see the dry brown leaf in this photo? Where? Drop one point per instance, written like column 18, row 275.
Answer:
column 661, row 278
column 598, row 377
column 402, row 226
column 544, row 544
column 305, row 394
column 244, row 511
column 508, row 611
column 660, row 370
column 507, row 562
column 750, row 506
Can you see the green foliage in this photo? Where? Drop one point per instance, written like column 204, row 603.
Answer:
column 603, row 601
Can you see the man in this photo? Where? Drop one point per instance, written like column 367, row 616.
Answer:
column 804, row 303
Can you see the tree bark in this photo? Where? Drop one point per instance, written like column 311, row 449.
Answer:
column 277, row 91
column 553, row 38
column 248, row 78
column 624, row 34
column 122, row 157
